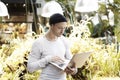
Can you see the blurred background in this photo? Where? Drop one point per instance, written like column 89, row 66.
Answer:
column 92, row 25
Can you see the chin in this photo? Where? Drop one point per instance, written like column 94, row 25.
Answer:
column 59, row 36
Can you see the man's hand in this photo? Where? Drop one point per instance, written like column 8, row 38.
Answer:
column 57, row 59
column 71, row 69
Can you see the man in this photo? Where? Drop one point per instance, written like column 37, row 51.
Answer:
column 52, row 47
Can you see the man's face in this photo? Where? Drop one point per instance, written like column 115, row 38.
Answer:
column 58, row 28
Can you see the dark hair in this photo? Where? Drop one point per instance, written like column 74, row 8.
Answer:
column 56, row 18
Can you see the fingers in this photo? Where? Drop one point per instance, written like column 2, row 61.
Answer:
column 57, row 59
column 70, row 70
column 72, row 65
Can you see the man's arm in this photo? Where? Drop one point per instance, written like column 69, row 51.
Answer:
column 35, row 62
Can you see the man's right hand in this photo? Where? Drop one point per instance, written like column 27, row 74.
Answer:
column 57, row 59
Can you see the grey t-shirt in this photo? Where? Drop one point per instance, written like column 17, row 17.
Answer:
column 40, row 57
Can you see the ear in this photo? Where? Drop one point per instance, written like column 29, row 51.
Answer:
column 52, row 26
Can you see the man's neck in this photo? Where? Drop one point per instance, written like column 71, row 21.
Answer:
column 50, row 36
